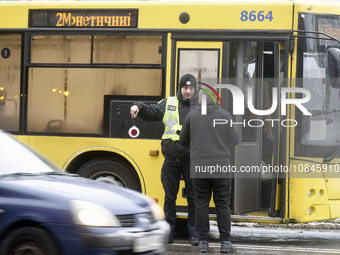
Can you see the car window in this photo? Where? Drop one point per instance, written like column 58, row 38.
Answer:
column 18, row 158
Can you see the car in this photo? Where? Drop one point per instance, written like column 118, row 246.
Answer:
column 49, row 212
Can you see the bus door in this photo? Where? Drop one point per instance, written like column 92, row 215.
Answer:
column 255, row 65
column 243, row 64
column 247, row 181
column 203, row 61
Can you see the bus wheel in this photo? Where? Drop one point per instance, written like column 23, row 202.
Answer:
column 112, row 172
column 28, row 240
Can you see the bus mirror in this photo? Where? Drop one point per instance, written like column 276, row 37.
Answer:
column 333, row 56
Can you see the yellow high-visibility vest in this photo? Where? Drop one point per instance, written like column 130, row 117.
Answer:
column 171, row 119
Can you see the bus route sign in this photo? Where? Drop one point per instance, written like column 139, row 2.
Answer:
column 84, row 18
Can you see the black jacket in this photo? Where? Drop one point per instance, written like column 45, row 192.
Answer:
column 205, row 140
column 155, row 112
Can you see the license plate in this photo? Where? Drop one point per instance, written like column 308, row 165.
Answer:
column 148, row 243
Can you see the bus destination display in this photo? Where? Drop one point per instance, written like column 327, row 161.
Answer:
column 84, row 18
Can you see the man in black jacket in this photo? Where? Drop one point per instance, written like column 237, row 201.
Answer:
column 209, row 143
column 172, row 112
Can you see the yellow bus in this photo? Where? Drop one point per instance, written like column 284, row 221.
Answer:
column 69, row 72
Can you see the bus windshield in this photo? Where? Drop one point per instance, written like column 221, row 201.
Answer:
column 317, row 134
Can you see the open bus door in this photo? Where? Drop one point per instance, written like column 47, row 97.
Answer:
column 247, row 185
column 256, row 192
column 242, row 64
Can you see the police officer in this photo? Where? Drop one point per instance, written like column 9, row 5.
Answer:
column 172, row 111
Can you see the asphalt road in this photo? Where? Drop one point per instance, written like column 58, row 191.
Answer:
column 252, row 239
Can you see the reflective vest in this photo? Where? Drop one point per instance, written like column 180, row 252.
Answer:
column 171, row 120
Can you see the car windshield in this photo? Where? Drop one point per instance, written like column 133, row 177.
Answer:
column 17, row 158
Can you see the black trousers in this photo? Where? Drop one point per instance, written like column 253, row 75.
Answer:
column 220, row 189
column 170, row 176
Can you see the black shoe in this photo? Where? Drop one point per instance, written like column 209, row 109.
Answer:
column 204, row 246
column 194, row 241
column 170, row 240
column 227, row 247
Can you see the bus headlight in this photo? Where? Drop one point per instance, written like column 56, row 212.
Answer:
column 91, row 214
column 155, row 208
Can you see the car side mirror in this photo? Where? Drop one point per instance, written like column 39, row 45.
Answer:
column 333, row 56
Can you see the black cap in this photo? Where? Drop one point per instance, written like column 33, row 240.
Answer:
column 187, row 80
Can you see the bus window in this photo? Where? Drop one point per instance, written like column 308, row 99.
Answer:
column 199, row 63
column 75, row 96
column 10, row 67
column 127, row 49
column 63, row 99
column 318, row 134
column 61, row 49
column 106, row 49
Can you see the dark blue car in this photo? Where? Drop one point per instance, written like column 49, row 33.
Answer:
column 44, row 211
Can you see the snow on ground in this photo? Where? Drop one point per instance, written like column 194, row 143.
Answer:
column 333, row 224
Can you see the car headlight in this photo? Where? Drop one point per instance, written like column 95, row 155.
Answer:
column 155, row 208
column 91, row 214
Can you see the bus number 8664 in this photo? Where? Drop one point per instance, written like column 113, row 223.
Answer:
column 251, row 16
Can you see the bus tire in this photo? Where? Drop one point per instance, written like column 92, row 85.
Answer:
column 28, row 240
column 110, row 171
